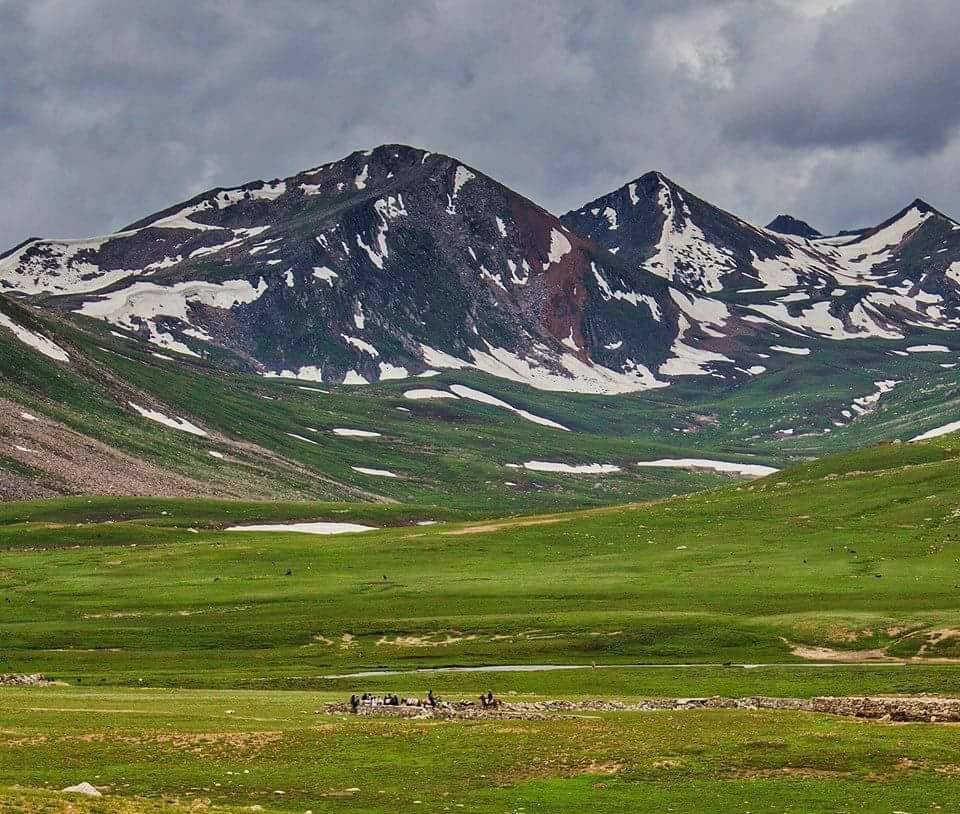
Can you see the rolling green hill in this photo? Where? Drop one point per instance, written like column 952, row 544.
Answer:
column 120, row 419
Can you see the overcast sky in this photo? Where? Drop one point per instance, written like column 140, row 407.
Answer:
column 837, row 111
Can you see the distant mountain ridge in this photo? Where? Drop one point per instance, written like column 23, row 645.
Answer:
column 879, row 282
column 789, row 225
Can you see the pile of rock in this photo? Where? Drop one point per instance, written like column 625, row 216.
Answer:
column 18, row 680
column 921, row 708
column 928, row 709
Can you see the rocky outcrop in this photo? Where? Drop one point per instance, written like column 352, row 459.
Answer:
column 921, row 708
column 34, row 680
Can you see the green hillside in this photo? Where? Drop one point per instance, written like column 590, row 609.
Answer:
column 274, row 439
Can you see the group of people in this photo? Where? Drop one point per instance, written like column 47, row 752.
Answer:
column 391, row 700
column 487, row 701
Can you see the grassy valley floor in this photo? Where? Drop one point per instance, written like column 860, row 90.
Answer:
column 195, row 659
column 180, row 750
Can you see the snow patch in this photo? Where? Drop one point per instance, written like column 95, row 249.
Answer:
column 307, row 528
column 687, row 360
column 143, row 303
column 421, row 393
column 683, row 253
column 180, row 424
column 379, row 473
column 461, row 177
column 484, row 398
column 572, row 469
column 559, row 248
column 325, row 274
column 361, row 345
column 793, row 351
column 724, row 467
column 936, row 432
column 34, row 340
column 578, row 376
column 307, row 373
column 303, row 438
column 360, row 182
column 389, row 372
column 352, row 377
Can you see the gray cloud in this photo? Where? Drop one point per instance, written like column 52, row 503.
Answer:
column 867, row 74
column 840, row 111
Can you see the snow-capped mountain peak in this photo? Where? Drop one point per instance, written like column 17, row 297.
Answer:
column 380, row 265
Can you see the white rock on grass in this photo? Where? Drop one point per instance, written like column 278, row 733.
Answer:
column 83, row 788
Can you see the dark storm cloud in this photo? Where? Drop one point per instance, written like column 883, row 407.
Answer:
column 838, row 111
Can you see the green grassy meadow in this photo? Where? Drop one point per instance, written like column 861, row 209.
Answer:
column 194, row 663
column 187, row 750
column 853, row 553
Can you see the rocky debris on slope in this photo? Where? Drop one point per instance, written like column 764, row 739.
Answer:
column 67, row 462
column 892, row 708
column 20, row 680
column 62, row 461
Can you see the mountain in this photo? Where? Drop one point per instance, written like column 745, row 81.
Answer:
column 789, row 225
column 396, row 262
column 182, row 354
column 386, row 264
column 882, row 282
